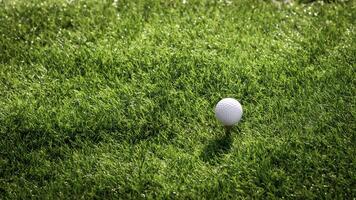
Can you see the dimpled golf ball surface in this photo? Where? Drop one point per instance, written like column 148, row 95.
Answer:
column 228, row 111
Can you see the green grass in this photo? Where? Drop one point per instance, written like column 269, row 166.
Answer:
column 115, row 100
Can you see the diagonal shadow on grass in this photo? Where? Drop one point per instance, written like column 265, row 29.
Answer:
column 217, row 148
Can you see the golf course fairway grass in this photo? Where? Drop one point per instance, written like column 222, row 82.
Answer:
column 115, row 99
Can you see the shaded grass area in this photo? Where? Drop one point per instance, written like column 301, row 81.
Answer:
column 103, row 99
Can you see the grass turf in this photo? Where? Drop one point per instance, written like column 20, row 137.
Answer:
column 103, row 99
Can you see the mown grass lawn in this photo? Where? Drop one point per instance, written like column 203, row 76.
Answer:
column 115, row 99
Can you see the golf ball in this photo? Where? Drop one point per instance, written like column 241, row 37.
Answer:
column 228, row 111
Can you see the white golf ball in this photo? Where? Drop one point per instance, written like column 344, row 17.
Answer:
column 228, row 111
